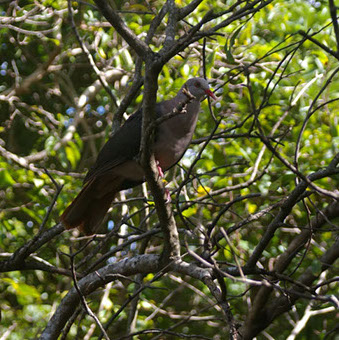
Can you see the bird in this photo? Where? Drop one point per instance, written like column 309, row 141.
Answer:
column 117, row 167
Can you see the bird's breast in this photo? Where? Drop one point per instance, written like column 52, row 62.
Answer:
column 174, row 136
column 168, row 150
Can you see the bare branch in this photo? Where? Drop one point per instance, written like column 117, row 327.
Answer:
column 318, row 43
column 285, row 210
column 83, row 300
column 89, row 56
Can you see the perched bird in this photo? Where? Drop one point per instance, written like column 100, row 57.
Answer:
column 117, row 168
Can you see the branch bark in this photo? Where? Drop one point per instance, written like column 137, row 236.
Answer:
column 166, row 218
column 138, row 264
column 143, row 264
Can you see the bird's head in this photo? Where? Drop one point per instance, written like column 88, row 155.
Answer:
column 199, row 88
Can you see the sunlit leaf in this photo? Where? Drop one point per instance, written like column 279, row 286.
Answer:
column 5, row 178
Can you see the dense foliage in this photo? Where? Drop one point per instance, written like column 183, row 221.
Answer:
column 255, row 197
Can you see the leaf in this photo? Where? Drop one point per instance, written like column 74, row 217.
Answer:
column 218, row 155
column 70, row 154
column 316, row 267
column 107, row 303
column 146, row 305
column 49, row 143
column 151, row 203
column 6, row 179
column 210, row 59
column 227, row 253
column 149, row 277
column 102, row 53
column 203, row 190
column 63, row 158
column 251, row 208
column 189, row 212
column 33, row 213
column 38, row 182
column 25, row 293
column 229, row 45
column 139, row 7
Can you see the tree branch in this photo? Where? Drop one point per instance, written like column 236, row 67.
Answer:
column 333, row 12
column 140, row 47
column 171, row 247
column 144, row 264
column 259, row 318
column 285, row 210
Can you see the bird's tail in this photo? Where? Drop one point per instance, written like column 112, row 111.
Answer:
column 87, row 210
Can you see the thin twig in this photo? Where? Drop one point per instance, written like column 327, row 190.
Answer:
column 82, row 298
column 89, row 56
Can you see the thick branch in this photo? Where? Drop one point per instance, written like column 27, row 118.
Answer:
column 139, row 264
column 166, row 218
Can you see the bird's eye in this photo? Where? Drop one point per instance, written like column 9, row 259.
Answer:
column 197, row 84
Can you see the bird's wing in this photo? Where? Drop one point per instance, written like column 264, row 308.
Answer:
column 123, row 146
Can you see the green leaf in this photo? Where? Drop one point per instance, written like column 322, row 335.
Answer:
column 229, row 45
column 6, row 179
column 70, row 156
column 189, row 212
column 49, row 143
column 63, row 158
column 316, row 267
column 25, row 293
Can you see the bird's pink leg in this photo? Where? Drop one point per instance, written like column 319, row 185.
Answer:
column 168, row 196
column 161, row 174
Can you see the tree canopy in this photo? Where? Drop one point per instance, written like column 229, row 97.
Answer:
column 248, row 245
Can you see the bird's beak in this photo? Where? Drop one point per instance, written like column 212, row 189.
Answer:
column 210, row 94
